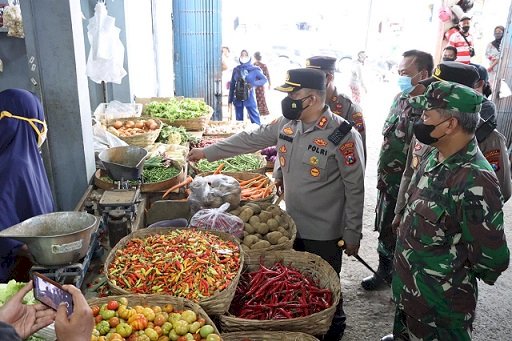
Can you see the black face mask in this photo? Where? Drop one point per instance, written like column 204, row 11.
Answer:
column 292, row 108
column 498, row 36
column 422, row 131
column 465, row 29
column 448, row 59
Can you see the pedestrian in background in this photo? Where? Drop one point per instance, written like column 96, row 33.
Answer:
column 357, row 79
column 492, row 53
column 244, row 79
column 452, row 232
column 449, row 54
column 463, row 41
column 260, row 90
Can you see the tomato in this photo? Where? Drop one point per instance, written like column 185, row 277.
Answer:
column 189, row 316
column 138, row 322
column 113, row 321
column 151, row 333
column 124, row 312
column 159, row 319
column 138, row 309
column 213, row 337
column 206, row 330
column 149, row 313
column 194, row 327
column 112, row 305
column 124, row 329
column 181, row 327
column 158, row 330
column 95, row 310
column 114, row 337
column 157, row 309
column 98, row 318
column 103, row 327
column 168, row 308
column 166, row 327
column 163, row 338
column 201, row 320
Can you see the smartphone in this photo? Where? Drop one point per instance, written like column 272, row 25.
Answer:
column 50, row 293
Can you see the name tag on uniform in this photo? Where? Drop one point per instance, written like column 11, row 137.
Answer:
column 286, row 138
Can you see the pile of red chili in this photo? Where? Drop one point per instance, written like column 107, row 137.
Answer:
column 187, row 263
column 279, row 292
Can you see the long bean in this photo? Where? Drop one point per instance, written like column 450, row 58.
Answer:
column 239, row 163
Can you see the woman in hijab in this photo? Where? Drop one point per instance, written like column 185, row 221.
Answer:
column 25, row 191
column 493, row 53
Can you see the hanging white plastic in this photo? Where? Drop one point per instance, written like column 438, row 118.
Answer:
column 106, row 56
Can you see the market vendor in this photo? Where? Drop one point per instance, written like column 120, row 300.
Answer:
column 25, row 189
column 322, row 161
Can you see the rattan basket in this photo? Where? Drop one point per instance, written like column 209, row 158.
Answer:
column 307, row 263
column 179, row 303
column 284, row 246
column 140, row 140
column 267, row 336
column 218, row 303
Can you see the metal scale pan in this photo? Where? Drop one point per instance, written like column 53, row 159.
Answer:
column 123, row 163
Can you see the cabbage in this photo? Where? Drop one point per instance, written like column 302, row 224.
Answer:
column 11, row 288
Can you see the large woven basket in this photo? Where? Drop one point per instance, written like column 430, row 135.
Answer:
column 218, row 303
column 308, row 264
column 267, row 336
column 179, row 303
column 255, row 253
column 140, row 140
column 262, row 170
column 241, row 176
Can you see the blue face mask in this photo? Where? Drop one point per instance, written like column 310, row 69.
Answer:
column 405, row 84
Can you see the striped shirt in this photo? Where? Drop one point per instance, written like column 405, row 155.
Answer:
column 458, row 41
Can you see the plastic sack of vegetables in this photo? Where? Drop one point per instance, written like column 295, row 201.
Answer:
column 218, row 220
column 212, row 191
column 13, row 20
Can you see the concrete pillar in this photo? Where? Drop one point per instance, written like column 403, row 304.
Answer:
column 55, row 49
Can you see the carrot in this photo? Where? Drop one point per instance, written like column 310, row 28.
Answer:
column 251, row 180
column 187, row 181
column 219, row 169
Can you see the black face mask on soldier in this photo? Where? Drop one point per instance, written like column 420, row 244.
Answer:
column 422, row 131
column 292, row 108
column 465, row 29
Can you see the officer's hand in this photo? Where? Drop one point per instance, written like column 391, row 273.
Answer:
column 279, row 186
column 196, row 154
column 396, row 223
column 351, row 250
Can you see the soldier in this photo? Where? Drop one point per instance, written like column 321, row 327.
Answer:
column 491, row 143
column 322, row 162
column 451, row 233
column 414, row 67
column 339, row 104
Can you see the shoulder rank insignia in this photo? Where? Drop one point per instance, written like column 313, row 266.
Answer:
column 322, row 122
column 339, row 133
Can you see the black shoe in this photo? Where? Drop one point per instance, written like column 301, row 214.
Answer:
column 388, row 337
column 332, row 336
column 385, row 272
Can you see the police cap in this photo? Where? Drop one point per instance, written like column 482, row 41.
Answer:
column 321, row 62
column 482, row 72
column 304, row 78
column 453, row 72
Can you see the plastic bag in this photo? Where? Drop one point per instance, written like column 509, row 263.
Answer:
column 212, row 191
column 504, row 89
column 116, row 109
column 217, row 219
column 104, row 140
column 13, row 21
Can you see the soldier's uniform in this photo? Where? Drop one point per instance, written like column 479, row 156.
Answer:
column 322, row 165
column 339, row 103
column 450, row 235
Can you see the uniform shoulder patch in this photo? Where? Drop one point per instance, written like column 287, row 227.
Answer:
column 339, row 133
column 493, row 157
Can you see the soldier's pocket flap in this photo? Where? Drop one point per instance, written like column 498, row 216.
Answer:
column 429, row 210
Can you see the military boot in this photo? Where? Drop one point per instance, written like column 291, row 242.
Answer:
column 385, row 270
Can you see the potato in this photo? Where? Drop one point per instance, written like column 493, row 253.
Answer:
column 273, row 237
column 246, row 214
column 250, row 240
column 283, row 240
column 139, row 124
column 245, row 248
column 262, row 228
column 254, row 220
column 255, row 207
column 284, row 232
column 246, row 233
column 273, row 225
column 260, row 245
column 153, row 126
column 118, row 124
column 264, row 216
column 249, row 228
column 258, row 235
column 129, row 124
column 150, row 122
column 236, row 212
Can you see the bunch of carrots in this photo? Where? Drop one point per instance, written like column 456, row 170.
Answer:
column 258, row 187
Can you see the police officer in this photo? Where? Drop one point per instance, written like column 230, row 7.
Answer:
column 322, row 161
column 339, row 103
column 451, row 232
column 491, row 143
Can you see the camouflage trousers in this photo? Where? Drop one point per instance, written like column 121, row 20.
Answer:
column 384, row 215
column 406, row 328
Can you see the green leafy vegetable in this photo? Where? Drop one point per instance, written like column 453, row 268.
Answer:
column 239, row 163
column 177, row 109
column 167, row 131
column 11, row 288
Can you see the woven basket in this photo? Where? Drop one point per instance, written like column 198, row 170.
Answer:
column 285, row 246
column 218, row 303
column 267, row 336
column 241, row 176
column 140, row 140
column 179, row 303
column 192, row 124
column 307, row 263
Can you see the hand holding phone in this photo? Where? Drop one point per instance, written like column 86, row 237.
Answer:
column 50, row 293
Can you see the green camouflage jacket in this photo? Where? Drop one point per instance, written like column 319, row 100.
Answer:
column 451, row 233
column 397, row 134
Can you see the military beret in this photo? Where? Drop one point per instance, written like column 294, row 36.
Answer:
column 450, row 96
column 321, row 62
column 482, row 72
column 453, row 72
column 304, row 78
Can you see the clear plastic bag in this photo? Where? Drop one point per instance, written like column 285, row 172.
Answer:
column 217, row 219
column 212, row 191
column 13, row 20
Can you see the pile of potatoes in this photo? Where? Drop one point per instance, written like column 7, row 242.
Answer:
column 263, row 227
column 132, row 127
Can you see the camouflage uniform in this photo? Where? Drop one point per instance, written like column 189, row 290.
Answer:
column 397, row 137
column 450, row 235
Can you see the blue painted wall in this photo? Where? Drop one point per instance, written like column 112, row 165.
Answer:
column 14, row 57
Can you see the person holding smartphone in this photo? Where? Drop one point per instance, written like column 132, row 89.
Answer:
column 18, row 321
